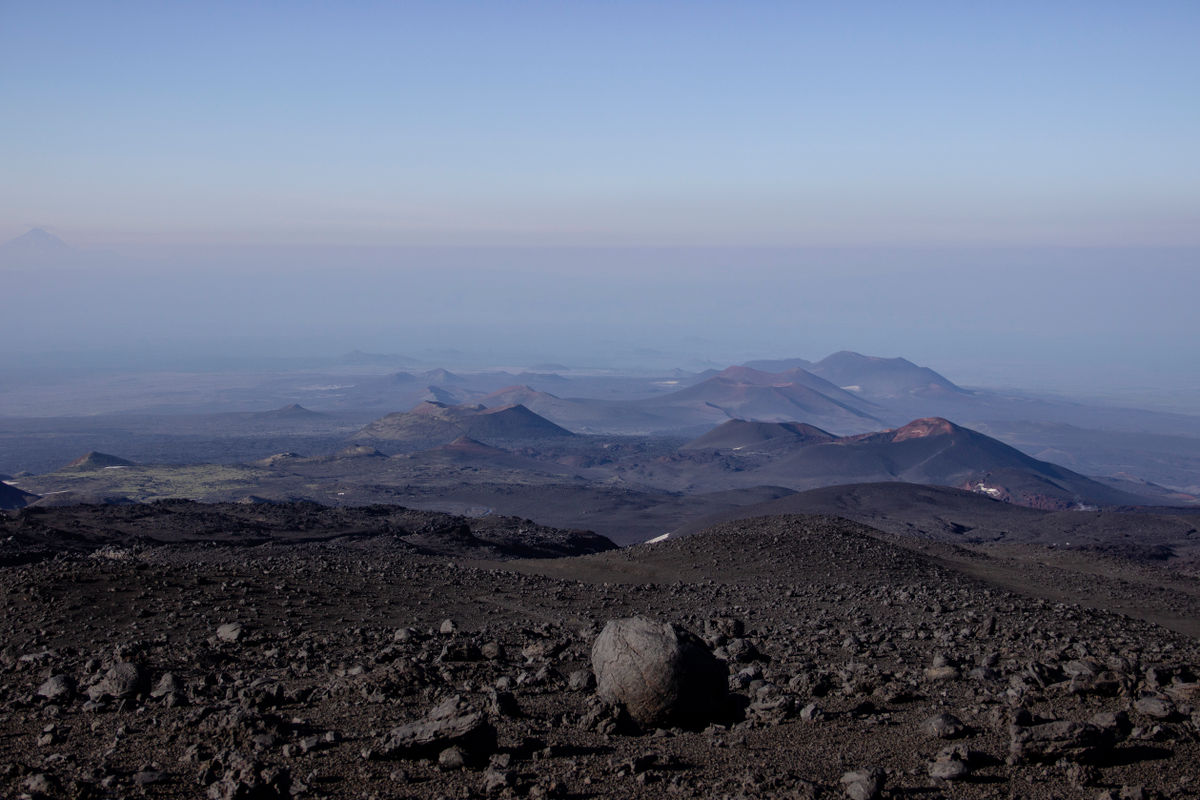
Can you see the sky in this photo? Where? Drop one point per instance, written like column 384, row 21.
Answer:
column 591, row 123
column 1008, row 190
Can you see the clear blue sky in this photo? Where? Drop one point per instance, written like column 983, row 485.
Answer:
column 693, row 123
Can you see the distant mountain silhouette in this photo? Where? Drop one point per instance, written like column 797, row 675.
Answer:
column 578, row 414
column 512, row 422
column 779, row 364
column 295, row 411
column 523, row 395
column 37, row 242
column 744, row 393
column 448, row 395
column 95, row 460
column 439, row 376
column 430, row 424
column 881, row 377
column 799, row 377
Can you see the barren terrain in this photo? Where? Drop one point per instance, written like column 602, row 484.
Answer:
column 276, row 666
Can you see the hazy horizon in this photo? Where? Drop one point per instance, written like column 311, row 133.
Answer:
column 1051, row 319
column 1009, row 195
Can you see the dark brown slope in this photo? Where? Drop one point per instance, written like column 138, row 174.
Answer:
column 955, row 515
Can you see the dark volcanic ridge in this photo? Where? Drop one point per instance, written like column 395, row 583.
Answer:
column 11, row 497
column 37, row 532
column 945, row 514
column 929, row 451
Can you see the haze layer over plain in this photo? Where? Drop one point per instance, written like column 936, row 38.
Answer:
column 1071, row 320
column 1027, row 175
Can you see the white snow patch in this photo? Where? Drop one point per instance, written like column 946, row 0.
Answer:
column 853, row 388
column 658, row 539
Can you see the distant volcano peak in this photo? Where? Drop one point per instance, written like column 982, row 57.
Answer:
column 923, row 428
column 96, row 460
column 36, row 241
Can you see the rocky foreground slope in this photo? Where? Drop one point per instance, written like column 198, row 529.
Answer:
column 354, row 668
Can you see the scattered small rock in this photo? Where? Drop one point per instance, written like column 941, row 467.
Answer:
column 123, row 679
column 944, row 726
column 229, row 631
column 865, row 784
column 57, row 688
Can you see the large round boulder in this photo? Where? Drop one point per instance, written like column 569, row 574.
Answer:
column 659, row 672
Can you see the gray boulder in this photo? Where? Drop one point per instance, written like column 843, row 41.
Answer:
column 56, row 688
column 230, row 631
column 659, row 672
column 1055, row 740
column 452, row 723
column 123, row 679
column 944, row 726
column 865, row 784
